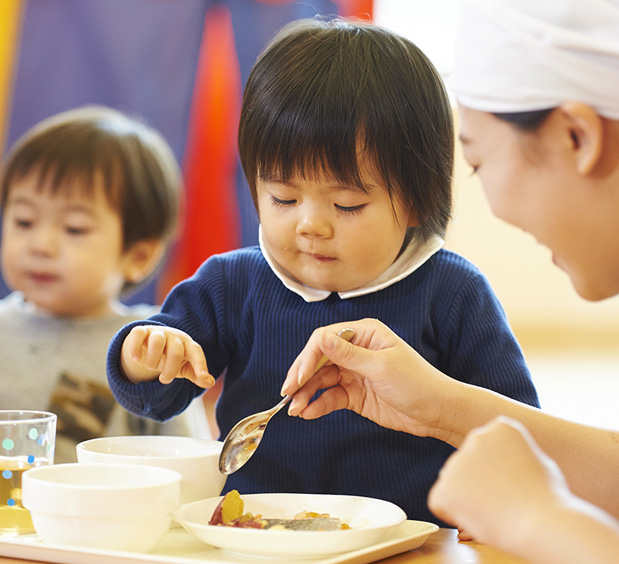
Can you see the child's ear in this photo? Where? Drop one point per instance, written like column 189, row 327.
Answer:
column 142, row 259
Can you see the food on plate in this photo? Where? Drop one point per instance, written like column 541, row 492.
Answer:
column 229, row 509
column 229, row 513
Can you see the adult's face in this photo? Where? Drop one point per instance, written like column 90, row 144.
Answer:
column 536, row 181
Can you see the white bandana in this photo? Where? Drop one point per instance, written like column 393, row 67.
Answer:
column 411, row 258
column 524, row 55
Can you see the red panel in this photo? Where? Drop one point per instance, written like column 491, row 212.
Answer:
column 211, row 222
column 358, row 8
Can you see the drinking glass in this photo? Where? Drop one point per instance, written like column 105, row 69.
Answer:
column 27, row 440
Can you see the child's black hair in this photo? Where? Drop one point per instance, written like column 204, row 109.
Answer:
column 326, row 94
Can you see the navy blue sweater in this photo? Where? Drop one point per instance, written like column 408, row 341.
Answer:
column 252, row 327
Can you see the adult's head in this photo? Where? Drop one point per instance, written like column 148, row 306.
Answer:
column 537, row 85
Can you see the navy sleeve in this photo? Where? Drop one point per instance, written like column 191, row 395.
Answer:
column 149, row 399
column 195, row 306
column 481, row 344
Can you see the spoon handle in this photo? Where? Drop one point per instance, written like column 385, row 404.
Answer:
column 243, row 439
column 281, row 404
column 347, row 335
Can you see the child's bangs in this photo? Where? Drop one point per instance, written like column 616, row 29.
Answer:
column 68, row 172
column 313, row 150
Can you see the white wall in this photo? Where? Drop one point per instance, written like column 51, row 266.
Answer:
column 430, row 24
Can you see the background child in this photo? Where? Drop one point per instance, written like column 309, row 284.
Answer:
column 89, row 201
column 346, row 139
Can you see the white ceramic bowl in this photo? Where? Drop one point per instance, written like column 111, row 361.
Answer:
column 107, row 506
column 196, row 459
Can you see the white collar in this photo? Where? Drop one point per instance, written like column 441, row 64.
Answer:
column 410, row 259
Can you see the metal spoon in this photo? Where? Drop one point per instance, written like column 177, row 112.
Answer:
column 244, row 438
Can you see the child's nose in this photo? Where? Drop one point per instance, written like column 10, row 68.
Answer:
column 43, row 241
column 314, row 224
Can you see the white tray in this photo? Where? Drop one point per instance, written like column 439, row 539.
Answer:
column 179, row 547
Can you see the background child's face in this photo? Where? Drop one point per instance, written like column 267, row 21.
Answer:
column 63, row 250
column 330, row 236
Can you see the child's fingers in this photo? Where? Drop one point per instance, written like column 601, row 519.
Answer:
column 202, row 379
column 199, row 373
column 172, row 359
column 155, row 348
column 184, row 358
column 134, row 343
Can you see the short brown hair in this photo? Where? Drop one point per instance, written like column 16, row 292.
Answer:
column 141, row 175
column 323, row 88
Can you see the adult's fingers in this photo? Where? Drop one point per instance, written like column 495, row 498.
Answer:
column 325, row 378
column 330, row 400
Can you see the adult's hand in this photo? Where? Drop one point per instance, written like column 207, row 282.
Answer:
column 505, row 491
column 377, row 375
column 496, row 482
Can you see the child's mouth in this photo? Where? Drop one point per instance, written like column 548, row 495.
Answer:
column 321, row 258
column 42, row 278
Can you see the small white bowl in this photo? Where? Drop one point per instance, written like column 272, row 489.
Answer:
column 106, row 506
column 196, row 459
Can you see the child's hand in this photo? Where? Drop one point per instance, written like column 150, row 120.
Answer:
column 151, row 351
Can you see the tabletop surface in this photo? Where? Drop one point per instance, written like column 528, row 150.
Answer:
column 441, row 547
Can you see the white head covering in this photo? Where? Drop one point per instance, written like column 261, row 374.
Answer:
column 523, row 55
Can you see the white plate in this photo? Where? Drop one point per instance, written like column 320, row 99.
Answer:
column 371, row 521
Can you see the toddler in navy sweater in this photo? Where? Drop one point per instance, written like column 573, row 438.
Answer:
column 346, row 140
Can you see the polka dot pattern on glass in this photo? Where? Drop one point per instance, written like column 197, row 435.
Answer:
column 26, row 441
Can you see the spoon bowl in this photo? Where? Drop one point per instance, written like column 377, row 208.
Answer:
column 244, row 438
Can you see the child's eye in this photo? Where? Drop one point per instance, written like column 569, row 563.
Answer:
column 23, row 223
column 77, row 230
column 351, row 209
column 279, row 202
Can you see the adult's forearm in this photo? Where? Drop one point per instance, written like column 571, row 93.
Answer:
column 570, row 534
column 588, row 456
